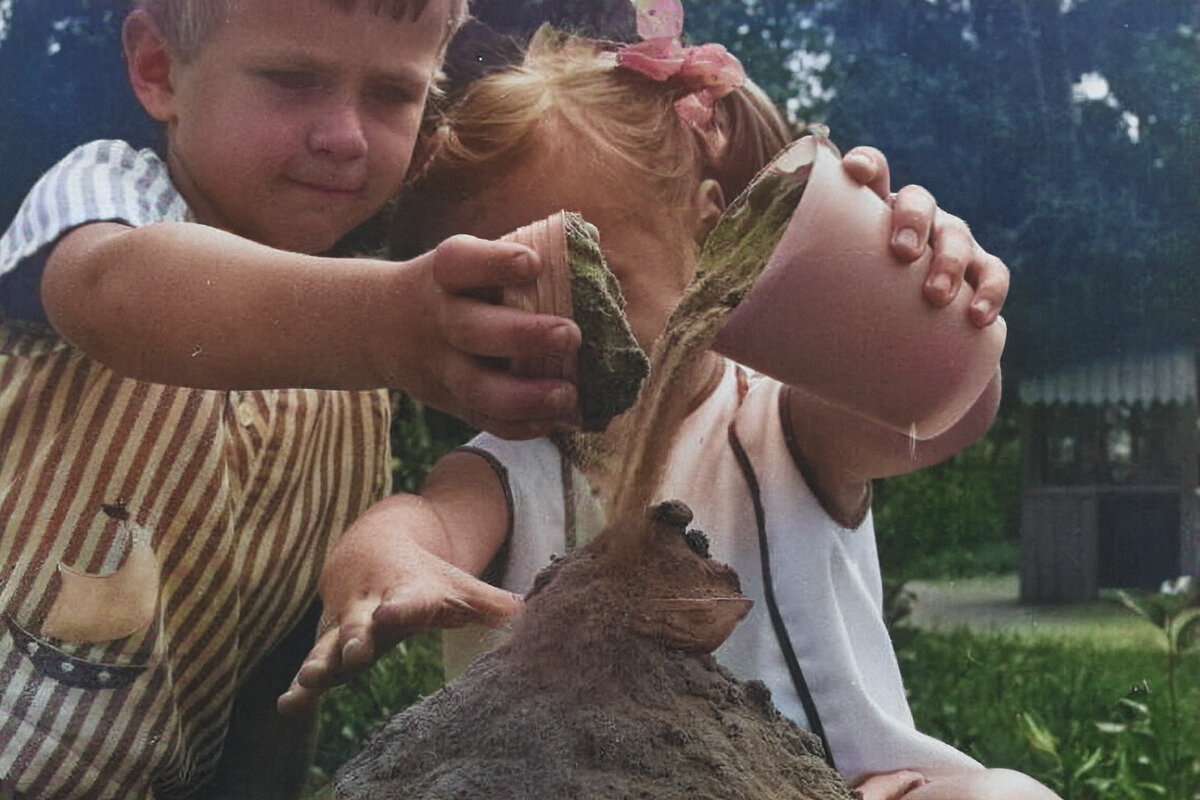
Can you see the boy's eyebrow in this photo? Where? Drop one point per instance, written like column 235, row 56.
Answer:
column 406, row 77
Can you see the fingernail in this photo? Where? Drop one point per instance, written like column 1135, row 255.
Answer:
column 982, row 308
column 524, row 263
column 563, row 398
column 907, row 238
column 353, row 649
column 858, row 159
column 562, row 339
column 940, row 283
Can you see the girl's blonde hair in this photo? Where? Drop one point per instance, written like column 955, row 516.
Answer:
column 573, row 90
column 188, row 24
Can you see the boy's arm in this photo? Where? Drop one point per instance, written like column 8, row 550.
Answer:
column 408, row 565
column 187, row 304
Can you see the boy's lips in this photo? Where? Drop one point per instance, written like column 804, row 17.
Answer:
column 334, row 189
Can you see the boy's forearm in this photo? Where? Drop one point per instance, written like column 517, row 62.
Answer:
column 191, row 305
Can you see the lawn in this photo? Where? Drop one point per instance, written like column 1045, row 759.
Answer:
column 1075, row 695
column 1091, row 718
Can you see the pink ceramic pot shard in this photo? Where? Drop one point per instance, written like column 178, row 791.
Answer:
column 834, row 313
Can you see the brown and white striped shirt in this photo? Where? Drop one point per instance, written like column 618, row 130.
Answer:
column 155, row 541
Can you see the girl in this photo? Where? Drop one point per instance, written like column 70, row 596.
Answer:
column 573, row 128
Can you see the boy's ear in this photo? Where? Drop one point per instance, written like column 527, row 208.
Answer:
column 709, row 202
column 149, row 63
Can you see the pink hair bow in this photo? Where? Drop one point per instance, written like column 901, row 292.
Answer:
column 709, row 70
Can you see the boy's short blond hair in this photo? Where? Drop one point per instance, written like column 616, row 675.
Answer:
column 187, row 24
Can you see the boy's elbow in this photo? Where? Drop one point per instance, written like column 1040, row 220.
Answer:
column 73, row 288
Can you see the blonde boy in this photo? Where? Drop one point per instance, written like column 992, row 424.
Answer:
column 167, row 493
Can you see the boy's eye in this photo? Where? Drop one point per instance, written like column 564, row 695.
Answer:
column 292, row 80
column 389, row 95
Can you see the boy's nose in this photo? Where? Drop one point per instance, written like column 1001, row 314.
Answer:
column 339, row 133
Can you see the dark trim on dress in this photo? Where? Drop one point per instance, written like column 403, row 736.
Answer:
column 851, row 521
column 781, row 633
column 494, row 572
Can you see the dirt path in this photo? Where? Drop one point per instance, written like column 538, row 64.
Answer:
column 992, row 604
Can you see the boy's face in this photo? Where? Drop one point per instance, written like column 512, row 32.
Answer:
column 296, row 121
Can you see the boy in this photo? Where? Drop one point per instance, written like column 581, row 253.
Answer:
column 167, row 496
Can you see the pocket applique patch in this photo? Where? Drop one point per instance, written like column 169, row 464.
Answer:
column 102, row 608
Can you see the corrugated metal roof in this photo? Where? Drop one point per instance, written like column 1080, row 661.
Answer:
column 1162, row 378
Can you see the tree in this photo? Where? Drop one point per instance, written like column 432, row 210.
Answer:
column 62, row 83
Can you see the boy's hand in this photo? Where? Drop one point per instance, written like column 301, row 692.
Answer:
column 916, row 222
column 460, row 342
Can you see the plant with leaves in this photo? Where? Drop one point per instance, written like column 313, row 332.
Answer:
column 1138, row 756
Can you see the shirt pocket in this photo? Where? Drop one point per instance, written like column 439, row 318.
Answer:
column 102, row 628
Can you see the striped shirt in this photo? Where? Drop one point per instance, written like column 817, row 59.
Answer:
column 155, row 541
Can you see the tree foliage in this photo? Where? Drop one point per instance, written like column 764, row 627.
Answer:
column 1092, row 202
column 978, row 101
column 62, row 83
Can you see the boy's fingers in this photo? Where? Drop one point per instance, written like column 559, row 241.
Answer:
column 505, row 404
column 496, row 331
column 869, row 167
column 913, row 216
column 465, row 264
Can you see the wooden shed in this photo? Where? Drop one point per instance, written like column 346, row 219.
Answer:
column 1111, row 490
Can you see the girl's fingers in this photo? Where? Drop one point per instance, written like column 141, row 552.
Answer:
column 322, row 663
column 869, row 167
column 990, row 277
column 914, row 215
column 890, row 785
column 298, row 700
column 356, row 640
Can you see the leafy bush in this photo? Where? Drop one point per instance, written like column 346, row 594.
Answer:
column 351, row 714
column 956, row 519
column 1087, row 720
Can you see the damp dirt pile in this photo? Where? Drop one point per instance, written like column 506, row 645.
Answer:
column 604, row 691
column 606, row 688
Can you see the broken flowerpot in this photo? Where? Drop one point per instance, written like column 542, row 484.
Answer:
column 575, row 282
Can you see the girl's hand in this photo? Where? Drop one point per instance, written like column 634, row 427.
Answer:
column 379, row 586
column 889, row 785
column 917, row 222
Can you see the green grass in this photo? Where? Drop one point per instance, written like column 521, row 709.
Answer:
column 351, row 714
column 1090, row 718
column 989, row 603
